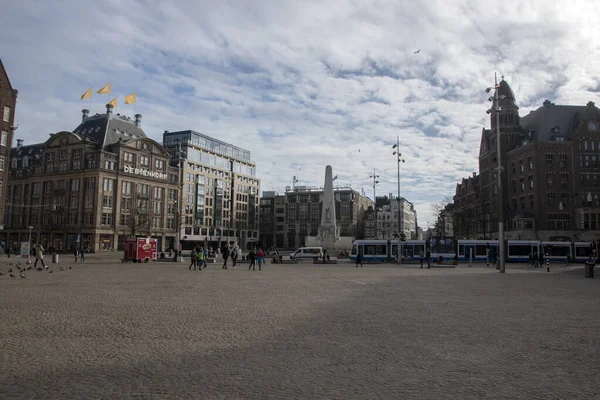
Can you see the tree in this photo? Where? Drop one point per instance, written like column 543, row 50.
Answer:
column 439, row 210
column 134, row 217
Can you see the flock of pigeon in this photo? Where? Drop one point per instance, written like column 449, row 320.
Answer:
column 24, row 269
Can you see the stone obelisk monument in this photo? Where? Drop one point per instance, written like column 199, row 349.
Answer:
column 328, row 232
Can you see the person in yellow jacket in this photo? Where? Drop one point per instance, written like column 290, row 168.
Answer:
column 200, row 259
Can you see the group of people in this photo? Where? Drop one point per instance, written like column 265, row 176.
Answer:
column 199, row 256
column 79, row 253
column 422, row 257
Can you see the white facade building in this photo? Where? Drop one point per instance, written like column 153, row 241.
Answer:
column 387, row 218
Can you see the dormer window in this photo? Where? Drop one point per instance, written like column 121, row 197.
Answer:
column 14, row 163
column 592, row 126
column 25, row 161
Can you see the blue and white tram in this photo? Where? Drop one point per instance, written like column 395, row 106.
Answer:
column 479, row 248
column 557, row 251
column 582, row 251
column 380, row 250
column 519, row 250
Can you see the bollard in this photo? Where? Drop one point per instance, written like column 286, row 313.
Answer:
column 547, row 263
column 470, row 257
column 487, row 258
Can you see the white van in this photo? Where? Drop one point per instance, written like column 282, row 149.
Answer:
column 307, row 252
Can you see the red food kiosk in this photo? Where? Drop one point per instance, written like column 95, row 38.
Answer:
column 140, row 250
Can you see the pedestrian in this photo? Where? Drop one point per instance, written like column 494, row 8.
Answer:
column 225, row 252
column 324, row 255
column 205, row 257
column 75, row 253
column 82, row 255
column 531, row 259
column 260, row 257
column 234, row 254
column 252, row 259
column 200, row 258
column 428, row 258
column 568, row 260
column 7, row 251
column 358, row 259
column 541, row 259
column 421, row 259
column 39, row 255
column 192, row 259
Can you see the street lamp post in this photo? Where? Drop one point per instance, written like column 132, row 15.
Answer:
column 179, row 203
column 400, row 212
column 29, row 246
column 496, row 107
column 375, row 182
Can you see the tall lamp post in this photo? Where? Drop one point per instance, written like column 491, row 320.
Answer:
column 179, row 202
column 400, row 213
column 496, row 107
column 29, row 246
column 375, row 182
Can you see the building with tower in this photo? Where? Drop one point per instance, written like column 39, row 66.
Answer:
column 551, row 179
column 92, row 187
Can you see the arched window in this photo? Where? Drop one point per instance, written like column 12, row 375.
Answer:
column 25, row 161
column 585, row 145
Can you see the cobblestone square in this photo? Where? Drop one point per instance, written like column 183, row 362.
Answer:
column 159, row 331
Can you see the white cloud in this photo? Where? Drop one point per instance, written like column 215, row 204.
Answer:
column 306, row 84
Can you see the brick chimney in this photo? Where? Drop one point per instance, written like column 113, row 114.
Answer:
column 19, row 143
column 109, row 109
column 84, row 114
column 138, row 120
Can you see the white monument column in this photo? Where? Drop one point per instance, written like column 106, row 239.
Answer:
column 328, row 232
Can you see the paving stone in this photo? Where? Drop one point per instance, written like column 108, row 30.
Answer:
column 160, row 331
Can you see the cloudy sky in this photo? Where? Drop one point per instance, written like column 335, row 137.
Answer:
column 303, row 84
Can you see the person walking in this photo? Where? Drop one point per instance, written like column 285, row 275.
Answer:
column 260, row 257
column 39, row 255
column 205, row 251
column 200, row 259
column 428, row 258
column 75, row 253
column 421, row 259
column 193, row 259
column 234, row 254
column 82, row 254
column 358, row 259
column 252, row 259
column 225, row 252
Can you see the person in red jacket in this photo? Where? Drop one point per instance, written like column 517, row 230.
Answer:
column 260, row 257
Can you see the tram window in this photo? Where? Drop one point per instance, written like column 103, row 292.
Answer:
column 394, row 249
column 519, row 249
column 419, row 248
column 481, row 250
column 560, row 251
column 354, row 249
column 381, row 249
column 583, row 251
column 369, row 250
column 461, row 249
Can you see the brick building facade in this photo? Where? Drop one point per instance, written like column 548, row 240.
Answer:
column 551, row 179
column 8, row 102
